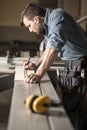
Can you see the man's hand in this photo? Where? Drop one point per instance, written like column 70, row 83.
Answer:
column 44, row 63
column 33, row 78
column 29, row 65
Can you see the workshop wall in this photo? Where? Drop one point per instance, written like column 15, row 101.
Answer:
column 10, row 11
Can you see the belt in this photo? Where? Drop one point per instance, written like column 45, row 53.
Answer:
column 82, row 63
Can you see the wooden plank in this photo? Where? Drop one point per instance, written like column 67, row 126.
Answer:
column 47, row 87
column 59, row 120
column 19, row 73
column 21, row 118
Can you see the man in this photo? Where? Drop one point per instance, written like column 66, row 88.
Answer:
column 63, row 38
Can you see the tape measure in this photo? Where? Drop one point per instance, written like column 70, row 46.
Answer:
column 25, row 73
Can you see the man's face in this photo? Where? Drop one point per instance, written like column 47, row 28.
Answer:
column 34, row 25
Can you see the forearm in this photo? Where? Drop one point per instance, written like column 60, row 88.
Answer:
column 47, row 60
column 39, row 61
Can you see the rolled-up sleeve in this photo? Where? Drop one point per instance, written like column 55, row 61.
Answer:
column 56, row 38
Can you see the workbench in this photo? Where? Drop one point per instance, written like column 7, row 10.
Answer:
column 22, row 119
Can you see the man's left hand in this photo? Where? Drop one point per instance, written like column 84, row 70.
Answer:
column 33, row 78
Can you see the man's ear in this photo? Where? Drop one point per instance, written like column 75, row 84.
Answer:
column 36, row 19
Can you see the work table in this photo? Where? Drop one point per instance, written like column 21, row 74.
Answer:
column 22, row 119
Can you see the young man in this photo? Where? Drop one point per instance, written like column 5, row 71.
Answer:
column 63, row 38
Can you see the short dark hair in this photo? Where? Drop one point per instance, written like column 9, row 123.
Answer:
column 30, row 11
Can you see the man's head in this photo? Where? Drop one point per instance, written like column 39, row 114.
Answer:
column 33, row 18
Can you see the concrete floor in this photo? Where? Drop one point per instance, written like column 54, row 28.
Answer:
column 5, row 101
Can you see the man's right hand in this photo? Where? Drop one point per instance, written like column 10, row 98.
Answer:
column 29, row 65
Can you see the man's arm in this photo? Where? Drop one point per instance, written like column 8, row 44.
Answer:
column 47, row 60
column 49, row 57
column 33, row 66
column 39, row 61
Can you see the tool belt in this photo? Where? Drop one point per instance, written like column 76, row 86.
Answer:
column 73, row 83
column 71, row 78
